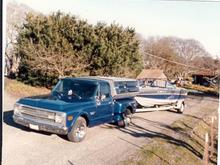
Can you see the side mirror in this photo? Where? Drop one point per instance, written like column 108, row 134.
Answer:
column 103, row 97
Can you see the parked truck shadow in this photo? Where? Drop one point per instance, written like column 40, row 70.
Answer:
column 203, row 94
column 179, row 130
column 7, row 119
column 144, row 150
column 139, row 131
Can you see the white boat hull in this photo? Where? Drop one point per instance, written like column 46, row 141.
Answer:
column 151, row 97
column 150, row 102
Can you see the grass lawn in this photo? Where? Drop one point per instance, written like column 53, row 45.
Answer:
column 19, row 89
column 182, row 143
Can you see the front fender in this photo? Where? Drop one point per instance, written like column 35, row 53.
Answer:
column 76, row 115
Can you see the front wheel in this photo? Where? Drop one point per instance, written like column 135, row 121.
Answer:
column 78, row 131
column 127, row 115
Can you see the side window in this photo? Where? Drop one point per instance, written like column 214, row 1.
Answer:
column 105, row 90
column 120, row 87
column 132, row 86
column 169, row 85
column 126, row 87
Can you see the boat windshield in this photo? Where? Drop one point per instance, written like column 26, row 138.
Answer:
column 158, row 83
column 70, row 89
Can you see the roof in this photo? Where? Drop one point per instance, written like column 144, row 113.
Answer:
column 83, row 79
column 204, row 73
column 115, row 79
column 151, row 74
column 100, row 78
column 110, row 80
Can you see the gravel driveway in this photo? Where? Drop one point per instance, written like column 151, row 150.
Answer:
column 104, row 144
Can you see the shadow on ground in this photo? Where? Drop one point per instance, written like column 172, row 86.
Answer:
column 7, row 119
column 138, row 131
column 204, row 94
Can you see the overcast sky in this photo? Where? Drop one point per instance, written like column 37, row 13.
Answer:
column 198, row 20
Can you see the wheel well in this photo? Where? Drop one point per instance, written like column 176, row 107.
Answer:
column 86, row 118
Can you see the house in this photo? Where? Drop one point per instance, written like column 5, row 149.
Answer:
column 148, row 75
column 151, row 74
column 205, row 78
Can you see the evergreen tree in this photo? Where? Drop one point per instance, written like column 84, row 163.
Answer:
column 63, row 45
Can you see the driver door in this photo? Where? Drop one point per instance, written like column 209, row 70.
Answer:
column 104, row 104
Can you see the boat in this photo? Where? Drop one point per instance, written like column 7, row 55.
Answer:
column 159, row 94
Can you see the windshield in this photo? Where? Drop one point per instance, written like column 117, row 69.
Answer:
column 157, row 83
column 70, row 89
column 160, row 83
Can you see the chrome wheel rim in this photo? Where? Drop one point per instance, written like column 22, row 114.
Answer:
column 182, row 108
column 128, row 115
column 127, row 118
column 80, row 131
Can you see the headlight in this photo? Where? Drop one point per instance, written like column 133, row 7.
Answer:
column 60, row 118
column 17, row 109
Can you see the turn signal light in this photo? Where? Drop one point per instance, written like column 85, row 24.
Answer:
column 70, row 118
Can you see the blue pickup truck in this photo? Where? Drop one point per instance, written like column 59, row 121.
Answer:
column 77, row 103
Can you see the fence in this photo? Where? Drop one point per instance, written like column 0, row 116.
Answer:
column 209, row 143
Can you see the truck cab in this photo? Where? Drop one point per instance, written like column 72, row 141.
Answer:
column 75, row 104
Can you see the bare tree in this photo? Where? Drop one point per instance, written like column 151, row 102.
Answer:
column 161, row 47
column 15, row 16
column 187, row 51
column 11, row 60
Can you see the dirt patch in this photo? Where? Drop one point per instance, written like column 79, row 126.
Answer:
column 104, row 144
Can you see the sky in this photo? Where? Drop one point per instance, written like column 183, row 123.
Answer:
column 197, row 20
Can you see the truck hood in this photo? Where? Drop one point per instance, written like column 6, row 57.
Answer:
column 52, row 103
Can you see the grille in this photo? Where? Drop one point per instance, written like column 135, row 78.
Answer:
column 38, row 114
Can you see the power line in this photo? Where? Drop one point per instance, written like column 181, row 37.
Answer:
column 175, row 62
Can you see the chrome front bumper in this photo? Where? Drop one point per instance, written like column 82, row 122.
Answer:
column 40, row 126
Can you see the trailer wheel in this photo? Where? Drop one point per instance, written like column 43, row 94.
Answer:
column 78, row 131
column 181, row 108
column 127, row 115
